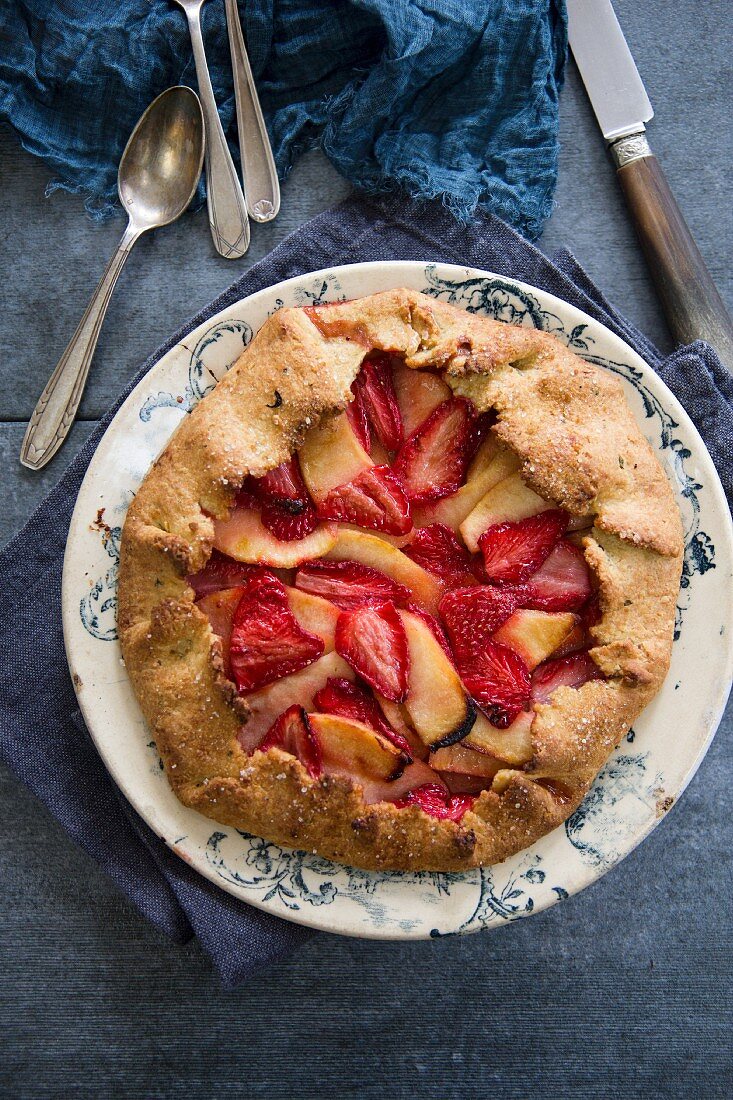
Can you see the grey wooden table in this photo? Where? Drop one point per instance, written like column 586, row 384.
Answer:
column 621, row 991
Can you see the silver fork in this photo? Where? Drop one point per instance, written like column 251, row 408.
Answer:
column 228, row 219
column 261, row 187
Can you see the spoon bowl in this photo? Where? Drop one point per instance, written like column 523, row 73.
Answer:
column 161, row 165
column 157, row 178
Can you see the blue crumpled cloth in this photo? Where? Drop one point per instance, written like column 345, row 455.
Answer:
column 449, row 99
column 43, row 738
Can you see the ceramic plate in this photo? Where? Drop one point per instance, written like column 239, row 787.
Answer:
column 641, row 781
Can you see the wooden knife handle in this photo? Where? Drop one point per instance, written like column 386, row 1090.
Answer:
column 689, row 298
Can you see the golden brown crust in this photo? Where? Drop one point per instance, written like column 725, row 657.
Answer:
column 580, row 447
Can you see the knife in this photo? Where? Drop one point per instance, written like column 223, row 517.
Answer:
column 692, row 305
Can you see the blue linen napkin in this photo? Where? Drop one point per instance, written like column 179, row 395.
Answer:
column 43, row 738
column 448, row 99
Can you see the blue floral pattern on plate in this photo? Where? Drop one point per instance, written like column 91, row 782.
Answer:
column 627, row 794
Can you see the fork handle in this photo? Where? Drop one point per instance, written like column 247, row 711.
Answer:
column 228, row 219
column 261, row 186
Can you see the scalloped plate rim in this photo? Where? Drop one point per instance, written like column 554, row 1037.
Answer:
column 153, row 814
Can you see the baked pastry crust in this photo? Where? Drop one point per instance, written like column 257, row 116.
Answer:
column 579, row 446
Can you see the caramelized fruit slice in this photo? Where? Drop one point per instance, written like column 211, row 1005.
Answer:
column 509, row 500
column 374, row 382
column 466, row 761
column 349, row 584
column 267, row 642
column 243, row 536
column 331, row 455
column 292, row 733
column 562, row 583
column 300, row 687
column 315, row 615
column 219, row 607
column 397, row 717
column 512, row 552
column 437, row 549
column 352, row 748
column 433, row 800
column 432, row 462
column 438, row 707
column 379, row 554
column 473, row 615
column 513, row 744
column 220, row 572
column 418, row 395
column 573, row 672
column 351, row 701
column 287, row 510
column 373, row 641
column 490, row 466
column 374, row 499
column 535, row 635
column 498, row 679
column 357, row 416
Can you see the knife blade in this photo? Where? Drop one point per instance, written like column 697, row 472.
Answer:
column 616, row 91
column 692, row 305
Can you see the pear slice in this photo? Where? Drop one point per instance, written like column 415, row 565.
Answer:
column 219, row 608
column 509, row 500
column 354, row 749
column 437, row 705
column 351, row 545
column 244, row 537
column 513, row 745
column 465, row 761
column 314, row 614
column 535, row 635
column 331, row 455
column 269, row 702
column 418, row 394
column 490, row 466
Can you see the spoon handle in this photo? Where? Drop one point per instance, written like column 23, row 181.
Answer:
column 228, row 219
column 261, row 187
column 54, row 413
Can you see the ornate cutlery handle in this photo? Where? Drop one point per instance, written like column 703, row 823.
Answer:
column 261, row 186
column 692, row 305
column 227, row 209
column 54, row 413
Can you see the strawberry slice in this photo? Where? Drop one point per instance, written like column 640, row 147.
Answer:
column 287, row 509
column 573, row 671
column 292, row 732
column 514, row 551
column 350, row 701
column 376, row 388
column 288, row 526
column 473, row 614
column 356, row 414
column 221, row 572
column 432, row 462
column 437, row 802
column 562, row 583
column 374, row 642
column 284, row 486
column 267, row 641
column 437, row 548
column 499, row 681
column 349, row 584
column 374, row 499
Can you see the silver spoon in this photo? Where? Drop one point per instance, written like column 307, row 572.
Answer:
column 158, row 176
column 228, row 219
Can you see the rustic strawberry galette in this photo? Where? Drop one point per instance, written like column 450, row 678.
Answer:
column 397, row 587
